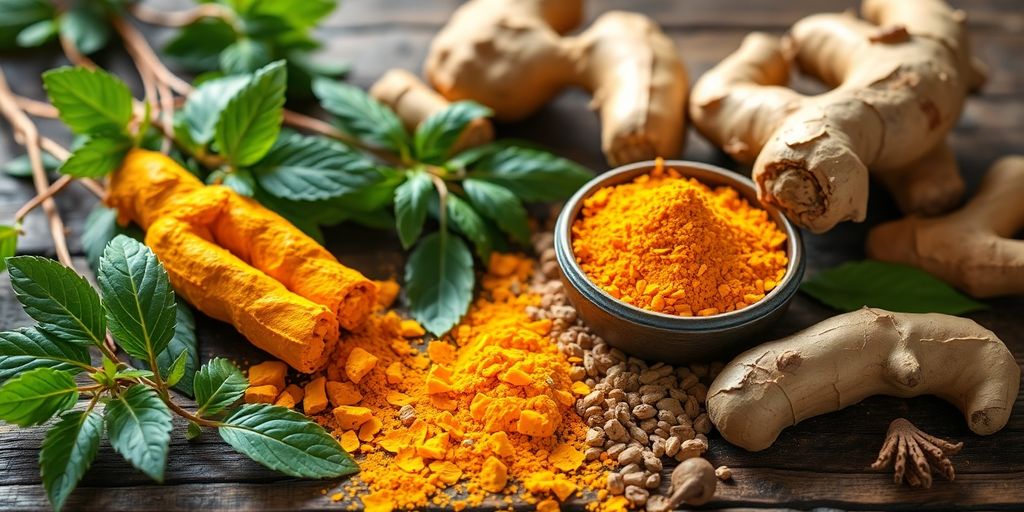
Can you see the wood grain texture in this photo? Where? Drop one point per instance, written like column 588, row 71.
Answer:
column 822, row 462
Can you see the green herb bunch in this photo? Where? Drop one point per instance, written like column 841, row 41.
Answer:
column 32, row 23
column 46, row 369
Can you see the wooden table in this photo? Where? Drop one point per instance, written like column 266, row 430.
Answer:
column 823, row 462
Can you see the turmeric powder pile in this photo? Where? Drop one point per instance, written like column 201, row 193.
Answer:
column 673, row 245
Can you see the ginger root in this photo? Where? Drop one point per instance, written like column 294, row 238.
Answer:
column 850, row 357
column 972, row 248
column 904, row 439
column 509, row 56
column 899, row 80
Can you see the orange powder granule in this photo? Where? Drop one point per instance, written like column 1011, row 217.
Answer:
column 673, row 245
column 486, row 418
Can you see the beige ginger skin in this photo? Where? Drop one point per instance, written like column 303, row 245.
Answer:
column 510, row 55
column 972, row 248
column 899, row 78
column 849, row 357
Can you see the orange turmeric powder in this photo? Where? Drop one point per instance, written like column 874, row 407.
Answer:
column 239, row 262
column 673, row 245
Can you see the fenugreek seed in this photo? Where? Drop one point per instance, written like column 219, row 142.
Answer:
column 577, row 373
column 616, row 485
column 644, row 411
column 616, row 449
column 615, row 431
column 617, row 354
column 669, row 404
column 636, row 495
column 692, row 407
column 594, row 410
column 700, row 392
column 672, row 446
column 631, row 455
column 638, row 434
column 649, row 376
column 652, row 463
column 653, row 481
column 649, row 425
column 664, row 425
column 617, row 394
column 723, row 473
column 702, row 424
column 595, row 437
column 635, row 478
column 661, row 432
column 651, row 398
column 633, row 399
column 658, row 447
column 688, row 382
column 678, row 394
column 667, row 417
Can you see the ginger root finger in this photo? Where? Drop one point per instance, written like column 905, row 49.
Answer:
column 509, row 55
column 971, row 248
column 414, row 101
column 847, row 358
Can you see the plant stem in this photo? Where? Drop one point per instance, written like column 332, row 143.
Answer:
column 442, row 195
column 179, row 19
column 166, row 397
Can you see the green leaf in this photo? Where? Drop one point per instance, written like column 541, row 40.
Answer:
column 531, row 174
column 99, row 229
column 439, row 277
column 182, row 345
column 470, row 224
column 302, row 15
column 85, row 25
column 241, row 181
column 21, row 167
column 139, row 428
column 68, row 450
column 198, row 46
column 501, row 206
column 193, row 432
column 18, row 14
column 59, row 299
column 177, row 370
column 436, row 136
column 244, row 56
column 361, row 116
column 251, row 121
column 203, row 107
column 878, row 284
column 217, row 385
column 29, row 348
column 8, row 244
column 36, row 396
column 304, row 168
column 137, row 297
column 411, row 200
column 89, row 101
column 132, row 373
column 37, row 34
column 286, row 441
column 99, row 156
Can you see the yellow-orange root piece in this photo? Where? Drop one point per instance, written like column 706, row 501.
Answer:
column 972, row 248
column 510, row 56
column 238, row 262
column 899, row 80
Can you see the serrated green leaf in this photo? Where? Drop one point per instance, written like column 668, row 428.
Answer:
column 362, row 117
column 411, row 200
column 286, row 441
column 99, row 229
column 36, row 396
column 531, row 174
column 241, row 181
column 251, row 121
column 203, row 107
column 436, row 135
column 85, row 26
column 302, row 168
column 217, row 385
column 8, row 244
column 37, row 34
column 501, row 206
column 138, row 298
column 183, row 344
column 132, row 373
column 59, row 299
column 890, row 286
column 244, row 56
column 139, row 428
column 193, row 432
column 99, row 156
column 29, row 348
column 198, row 46
column 177, row 370
column 468, row 222
column 68, row 450
column 19, row 14
column 89, row 101
column 21, row 167
column 439, row 281
column 301, row 15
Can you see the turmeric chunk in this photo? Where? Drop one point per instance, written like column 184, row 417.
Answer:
column 387, row 292
column 268, row 372
column 436, row 385
column 369, row 429
column 517, row 377
column 563, row 488
column 493, row 475
column 261, row 394
column 379, row 501
column 434, row 448
column 408, row 460
column 351, row 417
column 533, row 423
column 398, row 399
column 548, row 505
column 393, row 373
column 315, row 399
column 343, row 393
column 290, row 397
column 350, row 441
column 500, row 444
column 359, row 363
column 447, row 472
column 566, row 457
column 412, row 329
column 441, row 352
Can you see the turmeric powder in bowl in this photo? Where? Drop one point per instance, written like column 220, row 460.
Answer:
column 671, row 244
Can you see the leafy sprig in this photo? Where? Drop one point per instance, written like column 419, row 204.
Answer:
column 132, row 405
column 31, row 23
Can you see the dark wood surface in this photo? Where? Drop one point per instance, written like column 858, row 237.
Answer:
column 822, row 462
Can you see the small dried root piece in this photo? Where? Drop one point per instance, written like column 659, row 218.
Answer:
column 899, row 80
column 850, row 357
column 925, row 451
column 510, row 56
column 693, row 483
column 972, row 248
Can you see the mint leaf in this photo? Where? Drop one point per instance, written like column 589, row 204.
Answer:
column 361, row 116
column 19, row 14
column 68, row 450
column 36, row 395
column 244, row 56
column 217, row 385
column 59, row 299
column 182, row 346
column 531, row 174
column 139, row 428
column 411, row 200
column 137, row 297
column 98, row 156
column 89, row 101
column 241, row 181
column 8, row 244
column 197, row 46
column 300, row 15
column 470, row 224
column 29, row 348
column 251, row 121
column 304, row 168
column 85, row 25
column 501, row 206
column 177, row 370
column 37, row 34
column 439, row 281
column 286, row 441
column 436, row 135
column 203, row 107
column 21, row 167
column 99, row 229
column 891, row 286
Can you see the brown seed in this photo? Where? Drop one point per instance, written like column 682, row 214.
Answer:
column 595, row 437
column 670, row 404
column 723, row 473
column 593, row 453
column 653, row 481
column 635, row 478
column 631, row 455
column 702, row 424
column 616, row 449
column 615, row 431
column 644, row 411
column 615, row 484
column 637, row 496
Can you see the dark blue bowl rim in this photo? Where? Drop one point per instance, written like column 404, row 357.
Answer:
column 776, row 299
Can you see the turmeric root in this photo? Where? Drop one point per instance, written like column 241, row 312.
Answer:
column 850, row 357
column 972, row 248
column 899, row 80
column 241, row 263
column 509, row 56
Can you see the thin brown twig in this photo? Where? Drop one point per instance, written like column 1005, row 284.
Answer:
column 76, row 57
column 52, row 147
column 166, row 114
column 53, row 189
column 180, row 18
column 36, row 108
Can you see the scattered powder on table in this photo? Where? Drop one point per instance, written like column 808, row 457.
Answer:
column 671, row 244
